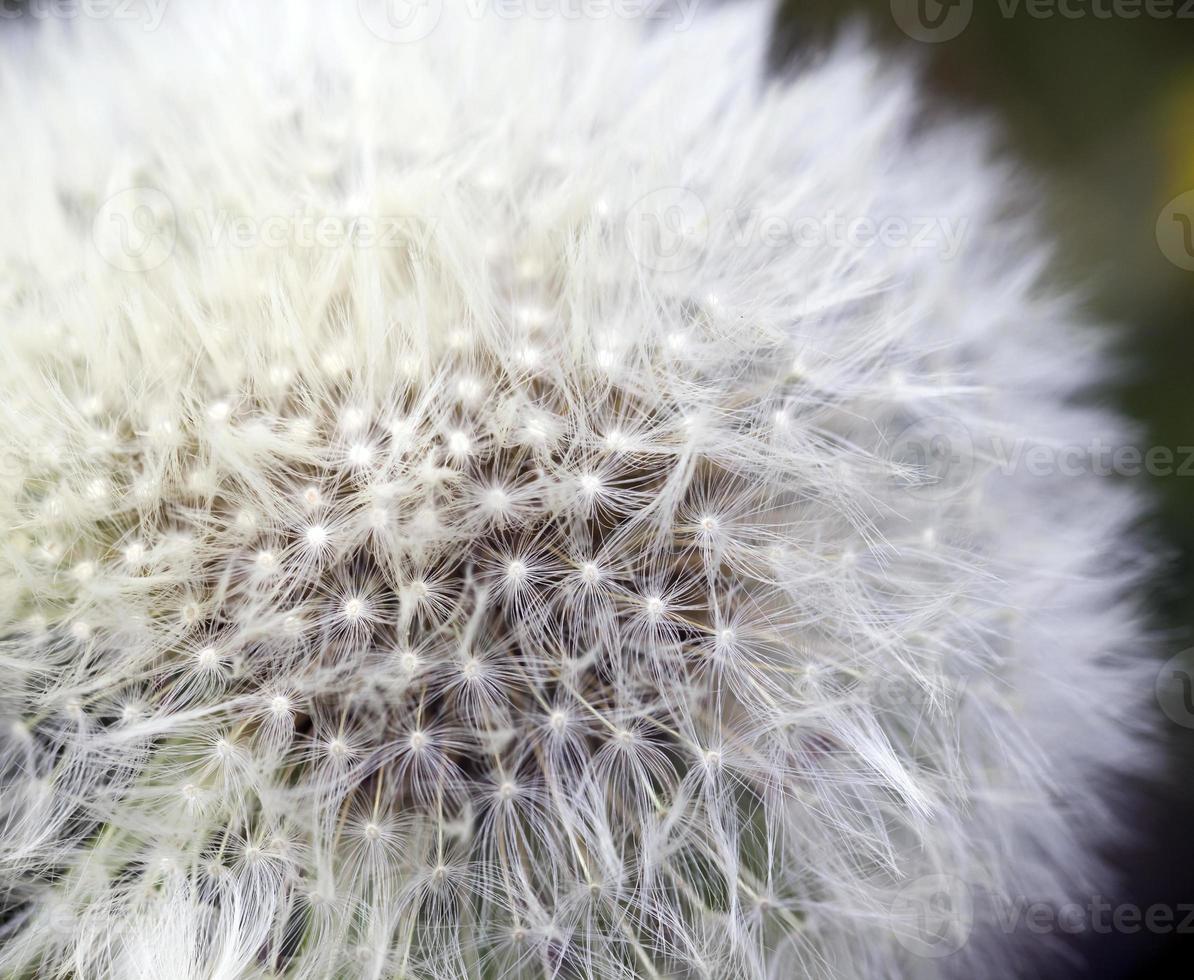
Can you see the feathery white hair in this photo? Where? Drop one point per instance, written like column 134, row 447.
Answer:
column 451, row 530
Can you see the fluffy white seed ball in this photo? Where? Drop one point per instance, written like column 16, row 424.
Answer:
column 541, row 532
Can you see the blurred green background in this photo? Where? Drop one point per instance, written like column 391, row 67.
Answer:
column 1101, row 111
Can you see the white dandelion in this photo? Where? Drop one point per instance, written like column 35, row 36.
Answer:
column 523, row 592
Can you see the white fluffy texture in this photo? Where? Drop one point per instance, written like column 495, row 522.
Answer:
column 498, row 605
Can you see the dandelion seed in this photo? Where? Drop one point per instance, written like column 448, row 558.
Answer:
column 361, row 455
column 459, row 446
column 496, row 500
column 408, row 662
column 590, row 484
column 403, row 435
column 280, row 706
column 208, row 658
column 316, row 537
column 353, row 420
column 616, row 441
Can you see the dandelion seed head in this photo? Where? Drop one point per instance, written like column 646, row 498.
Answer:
column 543, row 577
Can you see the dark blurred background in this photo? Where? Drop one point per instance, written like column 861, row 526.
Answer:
column 1100, row 107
